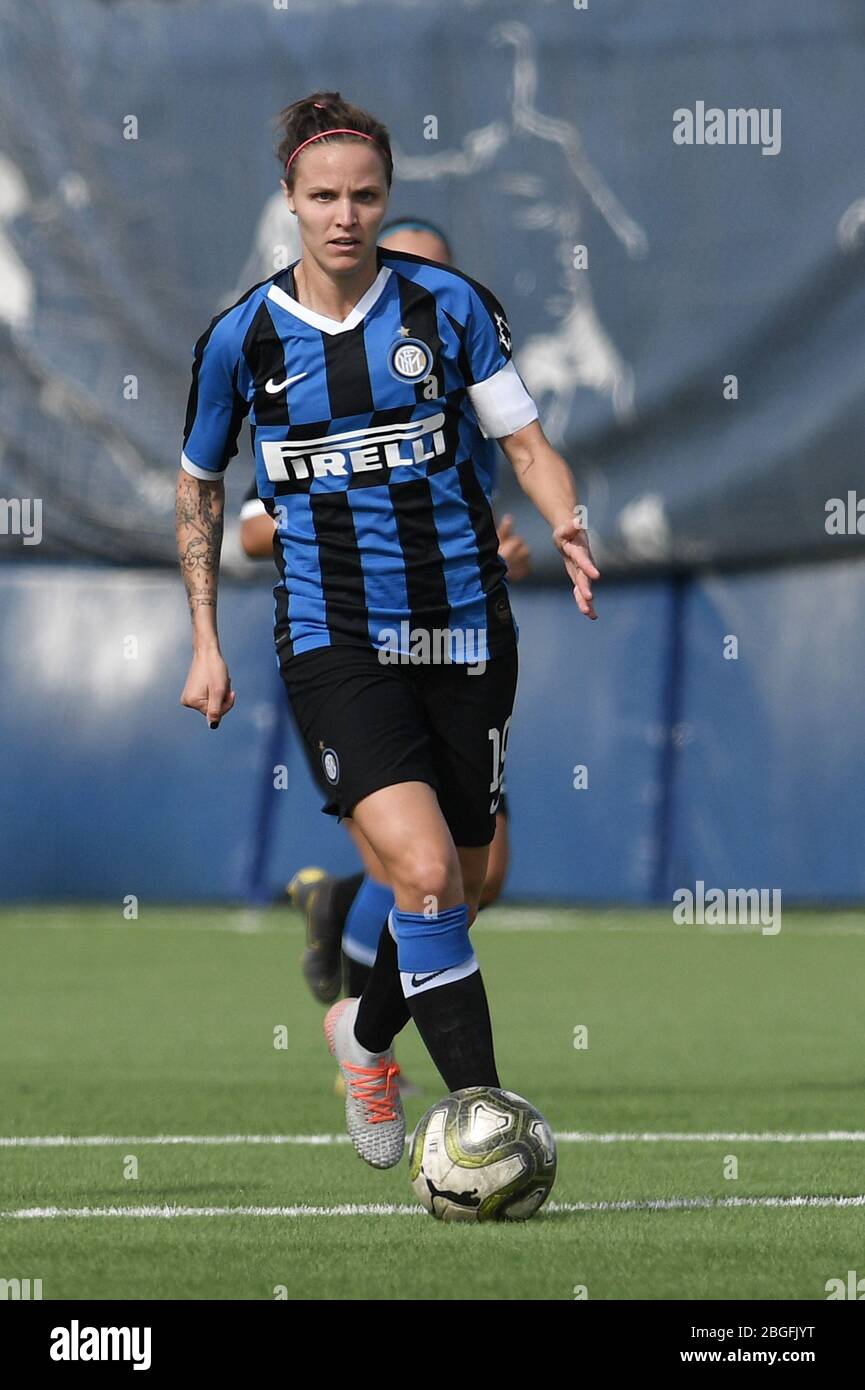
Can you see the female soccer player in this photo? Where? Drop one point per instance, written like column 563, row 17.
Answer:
column 370, row 376
column 344, row 916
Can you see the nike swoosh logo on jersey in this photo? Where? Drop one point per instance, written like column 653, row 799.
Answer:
column 417, row 980
column 272, row 386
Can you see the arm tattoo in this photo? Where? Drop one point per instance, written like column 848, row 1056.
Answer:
column 199, row 518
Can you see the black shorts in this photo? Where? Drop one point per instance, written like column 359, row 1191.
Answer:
column 367, row 725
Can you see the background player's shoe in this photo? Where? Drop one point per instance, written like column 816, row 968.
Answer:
column 301, row 884
column 311, row 890
column 373, row 1109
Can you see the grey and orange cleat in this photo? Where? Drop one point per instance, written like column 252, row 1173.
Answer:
column 311, row 891
column 406, row 1087
column 373, row 1109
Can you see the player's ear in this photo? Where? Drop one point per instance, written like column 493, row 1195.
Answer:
column 288, row 196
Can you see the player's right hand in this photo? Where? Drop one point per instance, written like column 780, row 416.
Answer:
column 208, row 687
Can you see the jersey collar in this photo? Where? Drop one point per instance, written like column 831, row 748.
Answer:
column 321, row 321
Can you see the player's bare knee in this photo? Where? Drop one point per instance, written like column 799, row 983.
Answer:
column 429, row 878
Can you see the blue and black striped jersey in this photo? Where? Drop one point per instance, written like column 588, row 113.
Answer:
column 369, row 438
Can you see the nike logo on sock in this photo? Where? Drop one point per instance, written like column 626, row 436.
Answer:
column 272, row 386
column 418, row 980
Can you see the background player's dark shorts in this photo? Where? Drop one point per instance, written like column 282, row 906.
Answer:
column 367, row 725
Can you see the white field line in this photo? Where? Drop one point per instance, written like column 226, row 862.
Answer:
column 261, row 924
column 509, row 921
column 96, row 1141
column 244, row 924
column 170, row 1212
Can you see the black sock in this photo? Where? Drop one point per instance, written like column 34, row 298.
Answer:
column 454, row 1022
column 383, row 1011
column 345, row 890
column 355, row 976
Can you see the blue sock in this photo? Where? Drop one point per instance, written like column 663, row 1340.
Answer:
column 366, row 917
column 432, row 943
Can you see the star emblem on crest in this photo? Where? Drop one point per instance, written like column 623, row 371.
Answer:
column 503, row 331
column 404, row 332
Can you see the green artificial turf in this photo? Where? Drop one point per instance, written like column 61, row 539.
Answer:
column 165, row 1027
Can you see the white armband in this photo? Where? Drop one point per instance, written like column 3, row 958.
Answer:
column 502, row 403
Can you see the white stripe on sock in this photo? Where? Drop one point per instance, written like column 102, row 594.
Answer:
column 416, row 982
column 358, row 951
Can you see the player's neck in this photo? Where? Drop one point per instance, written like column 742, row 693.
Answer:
column 335, row 299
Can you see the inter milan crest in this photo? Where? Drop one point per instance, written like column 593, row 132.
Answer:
column 410, row 360
column 330, row 763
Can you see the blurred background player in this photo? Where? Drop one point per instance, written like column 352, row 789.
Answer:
column 345, row 916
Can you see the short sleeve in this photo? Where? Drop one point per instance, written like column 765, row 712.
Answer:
column 497, row 391
column 217, row 405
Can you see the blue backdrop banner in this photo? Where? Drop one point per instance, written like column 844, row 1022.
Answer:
column 668, row 199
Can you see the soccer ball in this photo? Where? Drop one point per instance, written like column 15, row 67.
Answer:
column 481, row 1154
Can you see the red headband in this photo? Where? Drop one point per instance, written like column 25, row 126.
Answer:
column 341, row 131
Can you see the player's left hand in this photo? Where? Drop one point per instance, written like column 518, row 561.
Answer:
column 572, row 543
column 513, row 549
